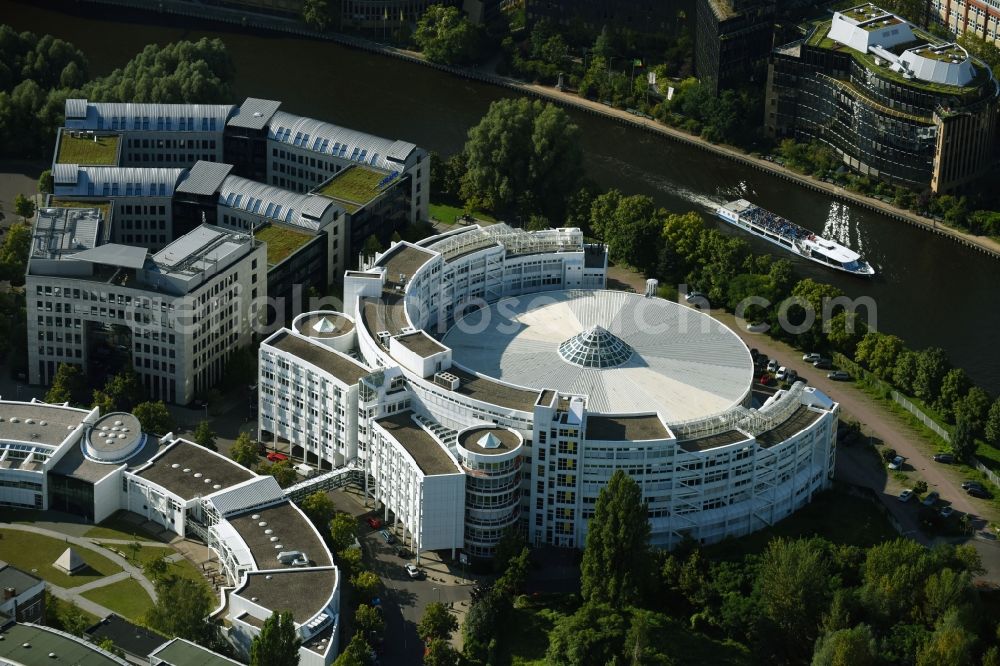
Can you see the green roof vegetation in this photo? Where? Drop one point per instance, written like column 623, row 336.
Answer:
column 281, row 242
column 35, row 554
column 88, row 150
column 354, row 187
column 449, row 214
column 104, row 206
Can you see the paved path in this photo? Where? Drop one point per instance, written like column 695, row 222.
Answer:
column 129, row 569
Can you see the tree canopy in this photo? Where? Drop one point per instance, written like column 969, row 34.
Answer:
column 277, row 644
column 181, row 609
column 154, row 417
column 446, row 36
column 524, row 155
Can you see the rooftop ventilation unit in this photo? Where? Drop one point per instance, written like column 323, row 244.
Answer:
column 447, row 380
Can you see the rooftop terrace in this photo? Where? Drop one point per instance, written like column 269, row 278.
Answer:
column 88, row 149
column 354, row 187
column 424, row 449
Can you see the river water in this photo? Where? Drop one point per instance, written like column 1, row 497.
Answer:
column 929, row 291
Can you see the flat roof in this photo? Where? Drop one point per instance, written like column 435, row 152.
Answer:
column 493, row 392
column 509, row 441
column 800, row 419
column 712, row 441
column 42, row 641
column 58, row 422
column 115, row 432
column 355, row 186
column 403, row 259
column 180, row 652
column 313, row 326
column 302, row 592
column 97, row 149
column 131, row 638
column 292, row 529
column 75, row 465
column 11, row 576
column 425, row 450
column 254, row 113
column 340, row 366
column 214, row 472
column 421, row 344
column 61, row 231
column 626, row 428
column 384, row 314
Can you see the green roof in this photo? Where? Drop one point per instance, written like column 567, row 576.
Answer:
column 281, row 242
column 101, row 150
column 179, row 652
column 44, row 641
column 103, row 205
column 354, row 187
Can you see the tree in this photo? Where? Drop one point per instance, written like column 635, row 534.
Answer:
column 283, row 473
column 893, row 579
column 436, row 623
column 277, row 644
column 951, row 643
column 365, row 584
column 319, row 507
column 350, row 560
column 446, row 36
column 512, row 580
column 369, row 622
column 357, row 653
column 66, row 384
column 992, row 430
column 522, row 155
column 594, row 634
column 905, row 371
column 847, row 647
column 616, row 555
column 372, row 247
column 180, row 609
column 975, row 407
column 963, row 443
column 156, row 569
column 793, row 580
column 316, row 13
column 14, row 253
column 108, row 645
column 204, row 436
column 631, row 226
column 932, row 365
column 537, row 223
column 440, row 653
column 343, row 531
column 45, row 185
column 154, row 417
column 954, row 386
column 125, row 390
column 510, row 545
column 103, row 401
column 24, row 207
column 878, row 352
column 244, row 451
column 945, row 590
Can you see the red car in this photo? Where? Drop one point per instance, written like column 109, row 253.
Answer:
column 374, row 523
column 274, row 456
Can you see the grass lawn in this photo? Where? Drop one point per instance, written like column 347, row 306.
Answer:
column 182, row 568
column 833, row 515
column 116, row 527
column 281, row 242
column 126, row 597
column 88, row 151
column 449, row 214
column 355, row 186
column 29, row 551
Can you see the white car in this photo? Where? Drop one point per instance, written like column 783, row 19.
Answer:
column 897, row 463
column 905, row 495
column 782, row 373
column 413, row 571
column 811, row 357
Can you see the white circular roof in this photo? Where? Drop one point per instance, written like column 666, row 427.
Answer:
column 684, row 364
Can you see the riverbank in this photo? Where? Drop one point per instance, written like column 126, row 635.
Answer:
column 983, row 244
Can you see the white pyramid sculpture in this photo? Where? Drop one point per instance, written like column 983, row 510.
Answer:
column 489, row 441
column 69, row 562
column 324, row 325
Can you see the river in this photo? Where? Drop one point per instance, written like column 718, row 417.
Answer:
column 929, row 291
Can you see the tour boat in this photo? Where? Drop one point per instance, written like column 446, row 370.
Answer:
column 776, row 229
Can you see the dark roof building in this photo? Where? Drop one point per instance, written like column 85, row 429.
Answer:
column 732, row 40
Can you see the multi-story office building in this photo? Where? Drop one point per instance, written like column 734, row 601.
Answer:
column 499, row 385
column 641, row 16
column 894, row 102
column 80, row 461
column 384, row 15
column 177, row 314
column 732, row 40
column 977, row 17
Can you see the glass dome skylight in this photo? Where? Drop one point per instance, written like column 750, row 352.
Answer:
column 595, row 348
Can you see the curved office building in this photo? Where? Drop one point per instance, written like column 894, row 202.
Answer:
column 498, row 385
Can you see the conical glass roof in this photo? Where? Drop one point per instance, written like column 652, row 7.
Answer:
column 595, row 348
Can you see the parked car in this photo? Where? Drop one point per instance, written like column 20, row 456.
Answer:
column 274, row 456
column 413, row 571
column 759, row 327
column 931, row 498
column 823, row 364
column 772, row 365
column 781, row 374
column 978, row 491
column 811, row 357
column 387, row 537
column 791, row 375
column 897, row 463
column 946, row 511
column 972, row 484
column 905, row 495
column 373, row 522
column 838, row 375
column 694, row 295
column 945, row 458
